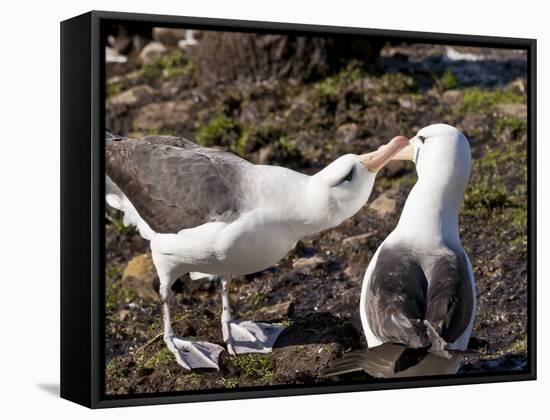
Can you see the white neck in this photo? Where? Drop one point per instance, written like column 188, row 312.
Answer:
column 430, row 214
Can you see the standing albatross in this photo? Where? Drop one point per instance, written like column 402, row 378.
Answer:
column 418, row 297
column 209, row 211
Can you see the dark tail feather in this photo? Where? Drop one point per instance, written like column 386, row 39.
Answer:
column 390, row 360
column 350, row 362
column 381, row 361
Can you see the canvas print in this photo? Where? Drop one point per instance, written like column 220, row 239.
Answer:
column 296, row 210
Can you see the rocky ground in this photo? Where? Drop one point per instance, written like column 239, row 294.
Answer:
column 314, row 291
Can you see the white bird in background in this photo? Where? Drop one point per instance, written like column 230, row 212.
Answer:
column 418, row 299
column 209, row 211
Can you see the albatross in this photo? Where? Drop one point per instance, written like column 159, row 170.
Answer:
column 209, row 211
column 418, row 297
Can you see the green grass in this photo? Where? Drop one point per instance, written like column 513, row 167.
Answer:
column 230, row 383
column 485, row 100
column 259, row 299
column 255, row 365
column 397, row 83
column 447, row 80
column 287, row 322
column 167, row 66
column 113, row 88
column 220, row 130
column 328, row 90
column 516, row 126
column 242, row 139
column 162, row 356
column 494, row 157
column 519, row 346
column 117, row 293
column 407, row 180
column 118, row 225
column 484, row 195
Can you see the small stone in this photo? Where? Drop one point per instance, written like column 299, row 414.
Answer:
column 346, row 133
column 357, row 239
column 279, row 310
column 513, row 110
column 305, row 263
column 394, row 169
column 168, row 36
column 161, row 115
column 132, row 97
column 140, row 276
column 452, row 96
column 518, row 86
column 123, row 314
column 113, row 56
column 264, row 154
column 407, row 103
column 383, row 205
column 151, row 52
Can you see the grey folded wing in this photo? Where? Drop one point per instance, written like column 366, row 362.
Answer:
column 173, row 183
column 415, row 307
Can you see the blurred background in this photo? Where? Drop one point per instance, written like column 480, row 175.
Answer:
column 300, row 103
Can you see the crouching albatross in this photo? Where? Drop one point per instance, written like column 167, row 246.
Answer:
column 418, row 297
column 208, row 211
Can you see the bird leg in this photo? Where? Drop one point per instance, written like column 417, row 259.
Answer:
column 190, row 354
column 245, row 336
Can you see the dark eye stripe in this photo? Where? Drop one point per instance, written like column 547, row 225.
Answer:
column 421, row 138
column 348, row 177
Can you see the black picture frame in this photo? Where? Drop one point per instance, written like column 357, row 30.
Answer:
column 82, row 207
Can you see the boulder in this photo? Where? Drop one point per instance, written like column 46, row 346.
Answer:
column 133, row 97
column 168, row 36
column 151, row 52
column 453, row 96
column 383, row 205
column 227, row 56
column 167, row 115
column 279, row 310
column 308, row 263
column 357, row 239
column 346, row 133
column 141, row 278
column 513, row 110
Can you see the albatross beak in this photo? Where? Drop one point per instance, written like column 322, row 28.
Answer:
column 375, row 161
column 406, row 153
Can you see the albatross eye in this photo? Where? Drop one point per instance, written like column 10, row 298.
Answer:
column 421, row 138
column 348, row 177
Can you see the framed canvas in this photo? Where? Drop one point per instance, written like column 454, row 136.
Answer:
column 255, row 209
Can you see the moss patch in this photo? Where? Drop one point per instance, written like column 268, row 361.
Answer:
column 486, row 196
column 167, row 66
column 519, row 346
column 516, row 127
column 255, row 365
column 230, row 383
column 397, row 83
column 220, row 130
column 117, row 223
column 113, row 88
column 115, row 292
column 484, row 100
column 162, row 356
column 447, row 80
column 328, row 90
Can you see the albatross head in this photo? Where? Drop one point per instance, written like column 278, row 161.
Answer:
column 345, row 185
column 442, row 156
